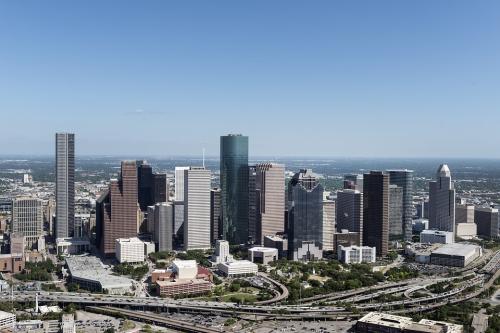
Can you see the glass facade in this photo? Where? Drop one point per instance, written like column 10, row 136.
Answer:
column 404, row 179
column 234, row 187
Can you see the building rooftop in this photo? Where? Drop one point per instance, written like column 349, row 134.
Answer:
column 129, row 240
column 456, row 249
column 185, row 263
column 5, row 315
column 239, row 263
column 91, row 269
column 405, row 323
column 263, row 249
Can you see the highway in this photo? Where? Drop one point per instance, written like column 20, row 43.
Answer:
column 283, row 311
column 153, row 319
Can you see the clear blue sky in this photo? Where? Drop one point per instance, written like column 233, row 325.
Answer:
column 320, row 78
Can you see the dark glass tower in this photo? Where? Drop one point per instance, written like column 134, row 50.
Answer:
column 234, row 187
column 145, row 185
column 376, row 211
column 404, row 179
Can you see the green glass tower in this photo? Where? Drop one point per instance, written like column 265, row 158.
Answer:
column 234, row 187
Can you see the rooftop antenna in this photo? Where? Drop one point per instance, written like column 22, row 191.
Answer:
column 203, row 157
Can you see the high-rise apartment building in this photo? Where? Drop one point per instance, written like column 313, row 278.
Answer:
column 404, row 180
column 197, row 186
column 395, row 212
column 27, row 219
column 376, row 211
column 215, row 215
column 350, row 212
column 234, row 187
column 442, row 201
column 65, row 185
column 117, row 209
column 305, row 196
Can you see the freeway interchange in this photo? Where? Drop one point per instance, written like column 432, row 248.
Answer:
column 344, row 304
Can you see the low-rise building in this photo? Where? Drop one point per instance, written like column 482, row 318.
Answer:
column 129, row 250
column 238, row 268
column 456, row 255
column 12, row 263
column 71, row 246
column 345, row 238
column 185, row 269
column 388, row 323
column 466, row 230
column 279, row 243
column 221, row 252
column 7, row 321
column 263, row 255
column 436, row 237
column 183, row 287
column 90, row 274
column 308, row 251
column 356, row 254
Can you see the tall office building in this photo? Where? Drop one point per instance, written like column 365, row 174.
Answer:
column 215, row 215
column 488, row 222
column 179, row 183
column 65, row 185
column 253, row 202
column 117, row 217
column 160, row 188
column 353, row 182
column 178, row 230
column 404, row 179
column 305, row 196
column 27, row 219
column 163, row 224
column 376, row 211
column 234, row 187
column 328, row 223
column 152, row 187
column 464, row 213
column 197, row 181
column 442, row 201
column 350, row 212
column 144, row 185
column 395, row 212
column 269, row 197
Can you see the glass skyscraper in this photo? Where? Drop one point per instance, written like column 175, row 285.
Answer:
column 234, row 187
column 404, row 179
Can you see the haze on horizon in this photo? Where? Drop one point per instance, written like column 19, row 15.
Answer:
column 321, row 79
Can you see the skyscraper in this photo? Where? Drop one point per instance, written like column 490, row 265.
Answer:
column 152, row 187
column 65, row 185
column 442, row 201
column 350, row 212
column 118, row 215
column 404, row 179
column 234, row 187
column 27, row 219
column 395, row 212
column 179, row 183
column 197, row 181
column 163, row 224
column 267, row 196
column 376, row 211
column 215, row 214
column 328, row 223
column 488, row 222
column 253, row 202
column 305, row 196
column 144, row 185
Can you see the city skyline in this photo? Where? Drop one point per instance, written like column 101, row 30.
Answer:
column 334, row 68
